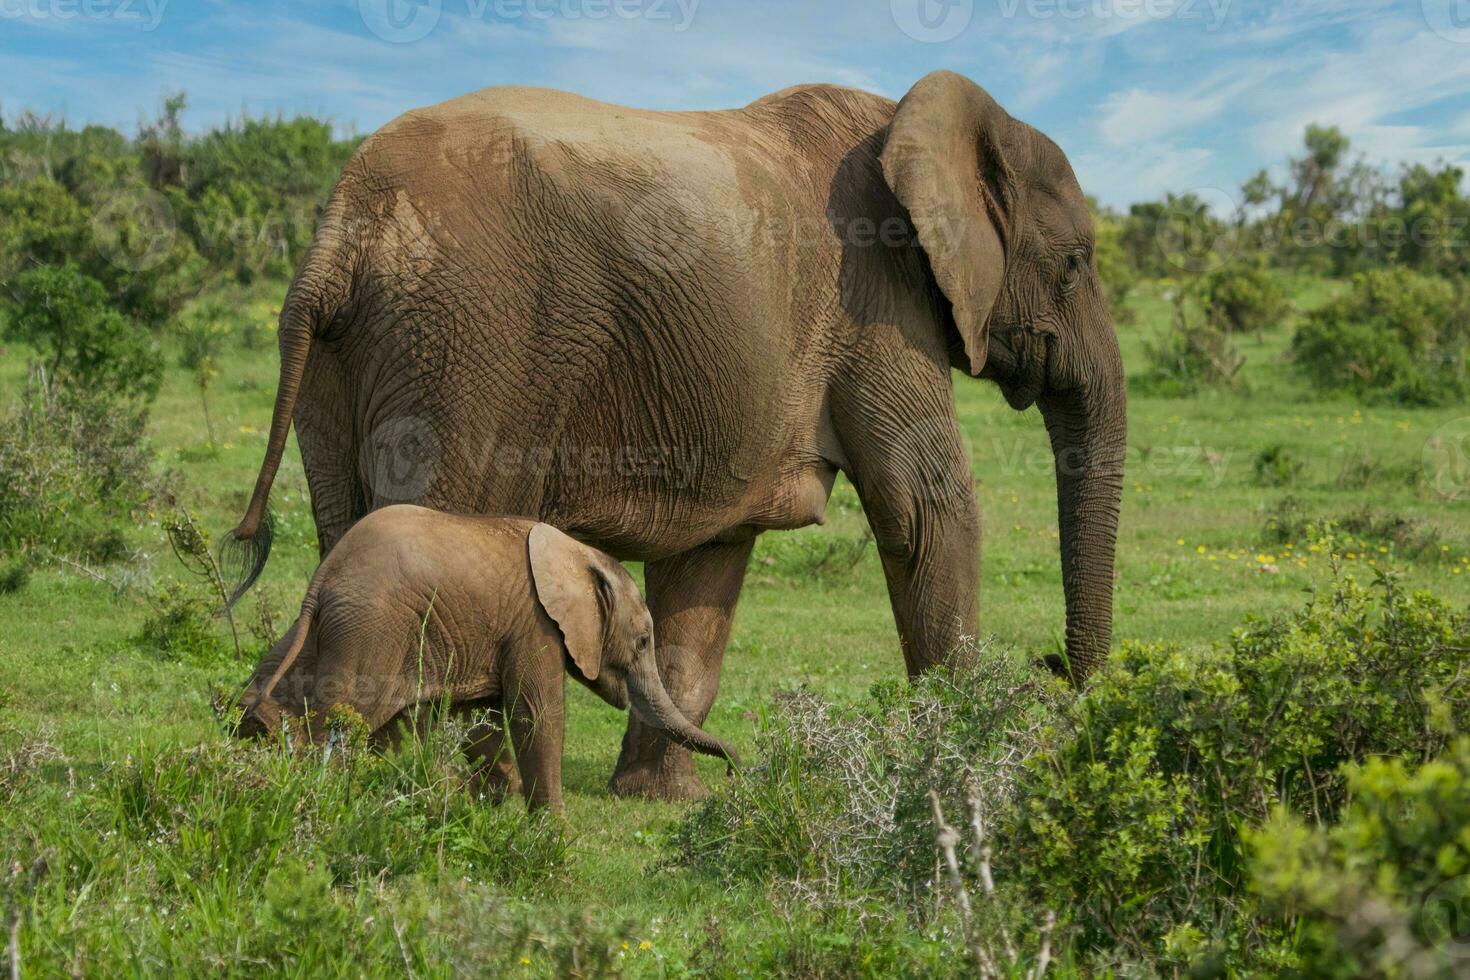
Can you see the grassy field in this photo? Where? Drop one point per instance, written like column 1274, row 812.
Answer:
column 1197, row 554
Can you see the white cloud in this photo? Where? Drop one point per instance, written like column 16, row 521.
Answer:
column 1393, row 69
column 1122, row 174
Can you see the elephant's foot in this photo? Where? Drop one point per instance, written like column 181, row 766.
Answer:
column 495, row 782
column 656, row 770
column 652, row 783
column 1058, row 665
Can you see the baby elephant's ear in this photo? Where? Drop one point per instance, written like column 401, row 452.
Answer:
column 575, row 592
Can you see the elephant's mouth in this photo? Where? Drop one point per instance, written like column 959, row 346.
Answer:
column 1018, row 362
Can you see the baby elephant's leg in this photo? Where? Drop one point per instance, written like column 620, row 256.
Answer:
column 537, row 721
column 492, row 772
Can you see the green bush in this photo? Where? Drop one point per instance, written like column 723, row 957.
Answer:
column 202, row 335
column 1132, row 816
column 149, row 218
column 1435, row 212
column 114, row 229
column 1276, row 466
column 15, row 575
column 1384, row 892
column 75, row 469
column 1193, row 354
column 1113, row 267
column 83, row 341
column 181, row 624
column 836, row 823
column 1395, row 336
column 1177, row 234
column 42, row 224
column 1243, row 297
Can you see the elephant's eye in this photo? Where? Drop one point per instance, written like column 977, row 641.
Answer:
column 1075, row 262
column 643, row 642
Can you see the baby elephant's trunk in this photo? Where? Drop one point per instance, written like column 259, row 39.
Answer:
column 652, row 703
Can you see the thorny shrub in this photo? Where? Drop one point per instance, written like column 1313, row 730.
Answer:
column 75, row 469
column 839, row 800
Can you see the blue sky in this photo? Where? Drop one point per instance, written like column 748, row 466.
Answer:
column 1144, row 95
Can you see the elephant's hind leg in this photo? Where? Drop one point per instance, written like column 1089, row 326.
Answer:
column 329, row 454
column 692, row 597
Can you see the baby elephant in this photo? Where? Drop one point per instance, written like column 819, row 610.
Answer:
column 414, row 607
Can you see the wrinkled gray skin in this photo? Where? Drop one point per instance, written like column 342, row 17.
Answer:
column 415, row 608
column 668, row 332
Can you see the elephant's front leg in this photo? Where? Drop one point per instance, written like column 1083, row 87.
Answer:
column 692, row 597
column 536, row 717
column 492, row 774
column 913, row 477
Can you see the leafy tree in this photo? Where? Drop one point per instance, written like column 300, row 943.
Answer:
column 124, row 241
column 1113, row 267
column 1176, row 235
column 84, row 341
column 161, row 144
column 1434, row 220
column 1327, row 205
column 42, row 224
column 1315, row 174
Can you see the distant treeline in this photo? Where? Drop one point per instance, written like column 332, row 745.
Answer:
column 158, row 216
column 1331, row 215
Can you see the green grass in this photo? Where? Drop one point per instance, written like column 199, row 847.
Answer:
column 1195, row 557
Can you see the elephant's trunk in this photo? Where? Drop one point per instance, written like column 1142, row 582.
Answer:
column 651, row 701
column 1088, row 433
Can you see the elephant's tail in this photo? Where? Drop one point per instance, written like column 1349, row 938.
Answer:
column 317, row 294
column 303, row 626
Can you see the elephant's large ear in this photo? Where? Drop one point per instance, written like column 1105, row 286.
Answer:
column 574, row 590
column 944, row 160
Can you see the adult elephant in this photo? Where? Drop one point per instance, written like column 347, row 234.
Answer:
column 668, row 332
